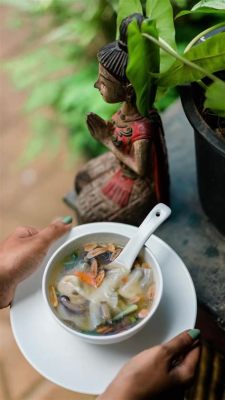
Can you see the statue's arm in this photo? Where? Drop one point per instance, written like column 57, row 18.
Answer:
column 141, row 155
column 137, row 160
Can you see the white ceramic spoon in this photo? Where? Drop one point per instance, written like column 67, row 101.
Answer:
column 122, row 265
column 129, row 253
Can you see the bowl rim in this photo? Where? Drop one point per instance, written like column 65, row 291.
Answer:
column 102, row 338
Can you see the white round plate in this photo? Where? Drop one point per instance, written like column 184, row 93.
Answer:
column 87, row 368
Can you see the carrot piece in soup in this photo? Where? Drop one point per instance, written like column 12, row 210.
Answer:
column 86, row 277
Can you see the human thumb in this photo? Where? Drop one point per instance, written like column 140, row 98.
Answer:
column 55, row 230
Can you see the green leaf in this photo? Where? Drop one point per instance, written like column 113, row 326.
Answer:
column 200, row 11
column 216, row 4
column 165, row 99
column 205, row 33
column 143, row 60
column 127, row 8
column 162, row 12
column 205, row 7
column 215, row 99
column 208, row 56
column 182, row 13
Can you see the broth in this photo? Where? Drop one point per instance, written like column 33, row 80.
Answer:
column 76, row 291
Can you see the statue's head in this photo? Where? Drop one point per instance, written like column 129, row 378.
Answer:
column 113, row 57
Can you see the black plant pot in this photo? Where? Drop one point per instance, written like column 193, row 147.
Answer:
column 210, row 160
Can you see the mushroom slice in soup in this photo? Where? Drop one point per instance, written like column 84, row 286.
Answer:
column 105, row 258
column 96, row 252
column 76, row 304
column 74, row 319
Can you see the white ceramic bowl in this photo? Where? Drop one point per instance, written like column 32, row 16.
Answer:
column 104, row 237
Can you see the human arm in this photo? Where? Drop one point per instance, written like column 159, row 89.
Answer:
column 102, row 130
column 157, row 373
column 22, row 252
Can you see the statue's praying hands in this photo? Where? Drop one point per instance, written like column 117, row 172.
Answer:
column 100, row 129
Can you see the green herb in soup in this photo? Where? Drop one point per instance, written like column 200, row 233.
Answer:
column 76, row 290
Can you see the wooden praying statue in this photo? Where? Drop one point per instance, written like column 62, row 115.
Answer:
column 126, row 182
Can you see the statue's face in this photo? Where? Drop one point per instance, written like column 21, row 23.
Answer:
column 110, row 88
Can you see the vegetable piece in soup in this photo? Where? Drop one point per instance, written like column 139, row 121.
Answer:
column 76, row 290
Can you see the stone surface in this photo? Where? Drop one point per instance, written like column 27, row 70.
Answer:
column 189, row 231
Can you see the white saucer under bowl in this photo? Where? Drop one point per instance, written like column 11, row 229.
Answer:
column 87, row 368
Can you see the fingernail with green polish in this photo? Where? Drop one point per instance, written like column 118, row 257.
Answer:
column 67, row 220
column 194, row 333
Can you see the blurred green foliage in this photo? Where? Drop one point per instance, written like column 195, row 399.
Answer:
column 58, row 67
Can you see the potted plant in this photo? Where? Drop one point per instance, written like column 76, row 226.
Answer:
column 203, row 101
column 209, row 130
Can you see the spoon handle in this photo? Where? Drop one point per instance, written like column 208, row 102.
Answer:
column 153, row 220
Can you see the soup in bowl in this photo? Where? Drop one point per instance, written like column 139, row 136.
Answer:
column 83, row 292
